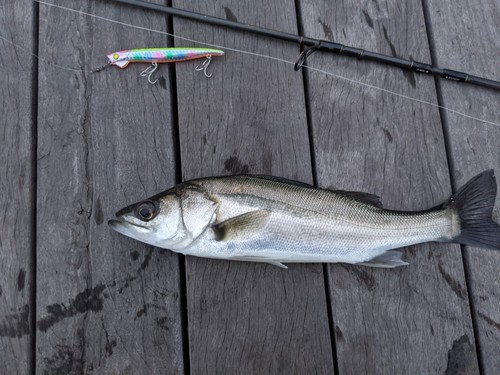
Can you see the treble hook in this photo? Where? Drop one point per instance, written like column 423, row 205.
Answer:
column 149, row 71
column 204, row 66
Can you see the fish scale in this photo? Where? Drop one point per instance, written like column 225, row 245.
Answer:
column 273, row 220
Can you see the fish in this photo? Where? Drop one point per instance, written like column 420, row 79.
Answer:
column 160, row 55
column 277, row 221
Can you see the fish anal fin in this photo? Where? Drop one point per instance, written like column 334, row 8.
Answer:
column 241, row 226
column 371, row 199
column 389, row 259
column 260, row 260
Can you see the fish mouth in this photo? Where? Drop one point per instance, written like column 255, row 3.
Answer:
column 127, row 229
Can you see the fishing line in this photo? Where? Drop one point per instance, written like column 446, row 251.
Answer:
column 48, row 62
column 293, row 63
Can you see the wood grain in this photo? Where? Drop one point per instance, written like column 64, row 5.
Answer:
column 16, row 186
column 109, row 304
column 106, row 303
column 249, row 118
column 414, row 319
column 466, row 37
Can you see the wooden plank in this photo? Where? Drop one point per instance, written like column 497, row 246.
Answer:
column 106, row 303
column 414, row 319
column 249, row 118
column 16, row 186
column 473, row 146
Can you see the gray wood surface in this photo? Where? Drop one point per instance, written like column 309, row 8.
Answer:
column 471, row 29
column 414, row 319
column 249, row 118
column 16, row 188
column 106, row 304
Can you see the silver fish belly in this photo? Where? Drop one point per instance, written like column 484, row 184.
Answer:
column 278, row 221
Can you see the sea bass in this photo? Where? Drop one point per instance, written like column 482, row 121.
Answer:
column 274, row 220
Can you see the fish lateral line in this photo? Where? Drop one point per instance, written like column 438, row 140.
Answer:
column 186, row 219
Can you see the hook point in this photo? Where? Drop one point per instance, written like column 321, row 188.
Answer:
column 149, row 71
column 204, row 66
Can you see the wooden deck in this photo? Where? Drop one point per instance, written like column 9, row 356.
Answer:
column 78, row 298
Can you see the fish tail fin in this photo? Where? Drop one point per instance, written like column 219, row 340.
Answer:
column 474, row 203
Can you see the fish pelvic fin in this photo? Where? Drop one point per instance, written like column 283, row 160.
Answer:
column 260, row 260
column 474, row 203
column 278, row 264
column 241, row 226
column 389, row 259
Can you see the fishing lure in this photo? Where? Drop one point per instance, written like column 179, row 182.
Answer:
column 163, row 55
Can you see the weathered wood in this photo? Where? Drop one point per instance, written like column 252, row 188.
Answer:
column 106, row 303
column 414, row 319
column 16, row 188
column 465, row 35
column 249, row 118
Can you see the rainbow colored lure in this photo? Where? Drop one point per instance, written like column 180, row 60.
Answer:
column 163, row 55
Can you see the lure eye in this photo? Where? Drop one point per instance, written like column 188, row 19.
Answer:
column 116, row 56
column 146, row 211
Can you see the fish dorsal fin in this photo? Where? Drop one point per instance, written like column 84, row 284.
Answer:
column 390, row 259
column 121, row 64
column 371, row 199
column 241, row 226
column 260, row 260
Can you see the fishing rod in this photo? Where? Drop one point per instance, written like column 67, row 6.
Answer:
column 314, row 45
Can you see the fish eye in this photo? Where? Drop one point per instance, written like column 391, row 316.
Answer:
column 116, row 56
column 146, row 211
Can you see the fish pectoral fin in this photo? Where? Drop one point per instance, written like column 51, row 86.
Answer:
column 390, row 259
column 371, row 199
column 239, row 227
column 260, row 260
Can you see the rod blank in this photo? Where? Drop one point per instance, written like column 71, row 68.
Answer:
column 320, row 45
